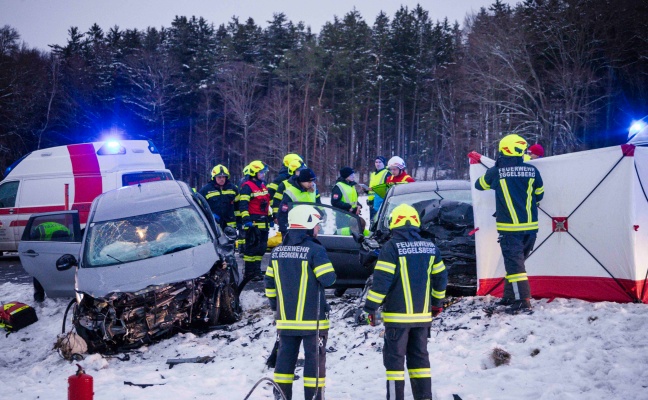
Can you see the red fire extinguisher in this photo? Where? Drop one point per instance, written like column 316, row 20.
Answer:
column 80, row 386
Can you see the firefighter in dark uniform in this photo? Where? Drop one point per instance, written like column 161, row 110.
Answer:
column 221, row 195
column 409, row 281
column 518, row 189
column 295, row 282
column 294, row 169
column 256, row 216
column 299, row 188
column 284, row 172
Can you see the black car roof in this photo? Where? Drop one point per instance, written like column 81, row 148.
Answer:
column 430, row 186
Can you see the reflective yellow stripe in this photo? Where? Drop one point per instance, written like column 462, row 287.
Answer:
column 501, row 226
column 245, row 214
column 395, row 375
column 438, row 267
column 272, row 186
column 407, row 318
column 375, row 297
column 232, row 224
column 303, row 284
column 438, row 295
column 271, row 292
column 407, row 290
column 284, row 378
column 310, row 382
column 212, row 194
column 420, row 373
column 278, row 196
column 509, row 201
column 260, row 193
column 282, row 311
column 270, row 271
column 539, row 190
column 426, row 305
column 482, row 182
column 302, row 325
column 385, row 266
column 529, row 198
column 244, row 197
column 517, row 277
column 249, row 258
column 323, row 269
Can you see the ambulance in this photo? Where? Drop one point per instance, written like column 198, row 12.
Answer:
column 69, row 178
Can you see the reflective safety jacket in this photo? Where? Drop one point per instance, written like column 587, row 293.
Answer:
column 518, row 190
column 294, row 192
column 281, row 176
column 344, row 195
column 376, row 178
column 278, row 194
column 403, row 177
column 254, row 203
column 298, row 273
column 222, row 200
column 410, row 277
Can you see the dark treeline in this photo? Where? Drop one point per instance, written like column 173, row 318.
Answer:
column 569, row 74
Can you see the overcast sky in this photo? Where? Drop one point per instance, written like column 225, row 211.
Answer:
column 43, row 22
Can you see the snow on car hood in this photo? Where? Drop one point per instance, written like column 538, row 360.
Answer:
column 137, row 275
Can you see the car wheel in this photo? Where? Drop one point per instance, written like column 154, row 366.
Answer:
column 214, row 311
column 229, row 305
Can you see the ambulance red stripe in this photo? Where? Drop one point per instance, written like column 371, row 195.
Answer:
column 87, row 177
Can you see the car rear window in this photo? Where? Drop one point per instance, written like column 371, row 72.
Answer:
column 146, row 176
column 144, row 236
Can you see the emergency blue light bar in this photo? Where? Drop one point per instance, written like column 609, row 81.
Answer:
column 111, row 147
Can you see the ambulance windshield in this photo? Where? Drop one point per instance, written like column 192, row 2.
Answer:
column 144, row 236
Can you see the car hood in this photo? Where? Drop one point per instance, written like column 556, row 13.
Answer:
column 137, row 275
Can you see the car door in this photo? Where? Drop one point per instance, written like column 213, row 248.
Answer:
column 8, row 215
column 337, row 236
column 46, row 238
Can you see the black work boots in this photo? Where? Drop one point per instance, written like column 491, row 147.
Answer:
column 517, row 306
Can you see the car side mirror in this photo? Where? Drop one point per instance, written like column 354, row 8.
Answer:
column 230, row 233
column 65, row 262
column 358, row 237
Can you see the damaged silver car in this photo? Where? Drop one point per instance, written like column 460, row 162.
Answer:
column 152, row 262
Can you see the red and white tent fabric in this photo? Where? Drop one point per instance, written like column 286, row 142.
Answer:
column 593, row 238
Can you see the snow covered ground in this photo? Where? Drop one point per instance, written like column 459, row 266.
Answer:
column 567, row 349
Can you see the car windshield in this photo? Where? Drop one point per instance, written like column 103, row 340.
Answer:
column 144, row 236
column 421, row 200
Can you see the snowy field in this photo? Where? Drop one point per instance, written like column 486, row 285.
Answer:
column 567, row 349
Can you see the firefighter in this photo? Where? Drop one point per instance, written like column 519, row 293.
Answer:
column 284, row 172
column 221, row 195
column 518, row 189
column 378, row 177
column 256, row 217
column 48, row 231
column 344, row 194
column 409, row 282
column 396, row 167
column 295, row 166
column 295, row 282
column 299, row 188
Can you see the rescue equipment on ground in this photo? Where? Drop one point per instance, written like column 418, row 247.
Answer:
column 80, row 386
column 15, row 315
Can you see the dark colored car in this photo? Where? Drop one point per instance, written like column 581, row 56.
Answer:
column 446, row 214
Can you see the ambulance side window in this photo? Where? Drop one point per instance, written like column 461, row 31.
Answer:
column 8, row 192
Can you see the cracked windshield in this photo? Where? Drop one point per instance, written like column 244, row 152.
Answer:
column 144, row 236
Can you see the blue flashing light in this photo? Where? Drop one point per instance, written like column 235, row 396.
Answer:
column 636, row 127
column 112, row 144
column 111, row 147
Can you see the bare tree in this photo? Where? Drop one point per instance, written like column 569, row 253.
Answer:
column 238, row 86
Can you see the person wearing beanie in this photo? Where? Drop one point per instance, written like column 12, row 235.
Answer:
column 299, row 188
column 344, row 194
column 535, row 151
column 378, row 177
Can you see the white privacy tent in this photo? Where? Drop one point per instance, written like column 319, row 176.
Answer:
column 593, row 238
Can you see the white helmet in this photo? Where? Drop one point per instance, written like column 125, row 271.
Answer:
column 303, row 216
column 396, row 162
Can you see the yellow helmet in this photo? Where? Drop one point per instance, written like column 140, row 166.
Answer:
column 295, row 165
column 290, row 157
column 220, row 170
column 255, row 167
column 402, row 215
column 246, row 170
column 513, row 145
